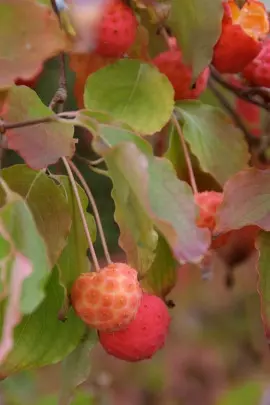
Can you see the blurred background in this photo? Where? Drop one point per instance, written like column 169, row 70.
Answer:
column 216, row 352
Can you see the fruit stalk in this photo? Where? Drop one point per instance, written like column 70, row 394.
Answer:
column 85, row 226
column 95, row 210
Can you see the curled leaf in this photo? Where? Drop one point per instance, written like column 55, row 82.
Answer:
column 21, row 268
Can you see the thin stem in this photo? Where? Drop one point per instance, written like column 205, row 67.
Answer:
column 177, row 126
column 90, row 162
column 21, row 124
column 252, row 140
column 186, row 153
column 95, row 210
column 85, row 226
column 4, row 126
column 247, row 93
column 67, row 114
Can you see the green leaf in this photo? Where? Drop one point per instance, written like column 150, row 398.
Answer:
column 219, row 146
column 112, row 135
column 18, row 227
column 263, row 246
column 81, row 398
column 137, row 235
column 176, row 156
column 133, row 92
column 25, row 25
column 42, row 339
column 39, row 145
column 76, row 367
column 19, row 269
column 73, row 260
column 249, row 393
column 165, row 200
column 25, row 268
column 246, row 201
column 46, row 202
column 197, row 27
column 162, row 275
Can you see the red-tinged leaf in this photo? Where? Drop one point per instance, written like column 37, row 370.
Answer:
column 263, row 247
column 246, row 201
column 20, row 270
column 32, row 35
column 39, row 145
column 167, row 201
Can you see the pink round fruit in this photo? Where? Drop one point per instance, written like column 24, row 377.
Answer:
column 171, row 64
column 107, row 300
column 117, row 30
column 144, row 336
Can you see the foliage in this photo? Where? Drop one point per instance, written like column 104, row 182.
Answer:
column 156, row 152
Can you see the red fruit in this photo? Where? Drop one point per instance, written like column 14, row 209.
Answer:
column 170, row 63
column 144, row 336
column 238, row 43
column 208, row 201
column 117, row 30
column 107, row 300
column 258, row 71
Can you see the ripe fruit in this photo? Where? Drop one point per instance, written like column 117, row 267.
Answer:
column 237, row 240
column 208, row 201
column 107, row 300
column 239, row 40
column 144, row 336
column 117, row 30
column 170, row 63
column 257, row 72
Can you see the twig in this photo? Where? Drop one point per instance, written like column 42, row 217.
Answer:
column 90, row 162
column 93, row 167
column 186, row 153
column 247, row 94
column 4, row 126
column 95, row 210
column 85, row 226
column 61, row 93
column 251, row 139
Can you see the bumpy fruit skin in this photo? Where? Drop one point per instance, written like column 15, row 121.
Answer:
column 144, row 336
column 117, row 30
column 170, row 63
column 208, row 201
column 238, row 239
column 107, row 300
column 257, row 72
column 235, row 48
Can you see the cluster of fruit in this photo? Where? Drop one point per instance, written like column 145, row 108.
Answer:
column 132, row 325
column 241, row 47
